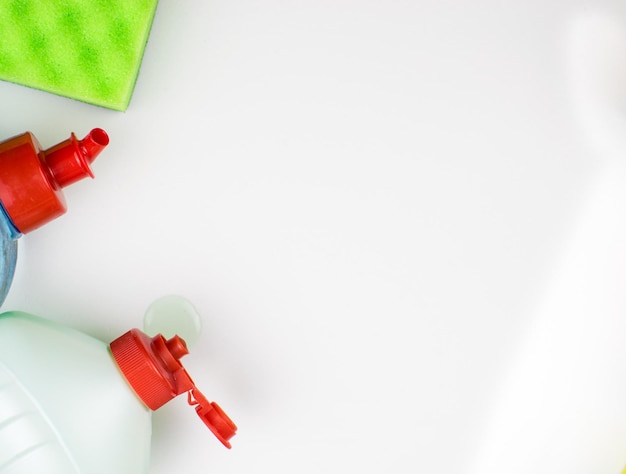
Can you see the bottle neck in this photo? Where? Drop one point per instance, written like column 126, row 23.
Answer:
column 6, row 221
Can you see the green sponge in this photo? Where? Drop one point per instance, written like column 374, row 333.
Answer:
column 88, row 50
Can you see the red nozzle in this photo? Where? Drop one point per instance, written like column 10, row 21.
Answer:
column 153, row 370
column 69, row 161
column 31, row 179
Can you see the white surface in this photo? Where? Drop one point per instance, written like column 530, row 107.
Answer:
column 400, row 221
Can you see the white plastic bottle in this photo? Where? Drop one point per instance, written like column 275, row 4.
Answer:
column 70, row 403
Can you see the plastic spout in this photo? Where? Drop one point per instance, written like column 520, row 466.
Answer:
column 69, row 161
column 31, row 178
column 151, row 366
column 213, row 417
column 94, row 143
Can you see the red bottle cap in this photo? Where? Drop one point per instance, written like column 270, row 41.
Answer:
column 31, row 179
column 153, row 370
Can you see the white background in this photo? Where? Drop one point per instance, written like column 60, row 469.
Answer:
column 401, row 221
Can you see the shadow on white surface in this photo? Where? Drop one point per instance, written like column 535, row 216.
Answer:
column 562, row 408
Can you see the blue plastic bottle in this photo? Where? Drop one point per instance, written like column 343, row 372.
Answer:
column 31, row 180
column 8, row 236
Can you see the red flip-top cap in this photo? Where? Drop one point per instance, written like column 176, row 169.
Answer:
column 31, row 179
column 152, row 368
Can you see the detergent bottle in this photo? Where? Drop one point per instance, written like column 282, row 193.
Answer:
column 73, row 404
column 31, row 180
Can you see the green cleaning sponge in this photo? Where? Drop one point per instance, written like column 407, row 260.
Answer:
column 88, row 50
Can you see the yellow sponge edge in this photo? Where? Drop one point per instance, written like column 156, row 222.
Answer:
column 87, row 50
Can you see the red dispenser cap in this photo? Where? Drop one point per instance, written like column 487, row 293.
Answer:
column 153, row 370
column 31, row 179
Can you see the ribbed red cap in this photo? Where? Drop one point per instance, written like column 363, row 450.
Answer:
column 153, row 370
